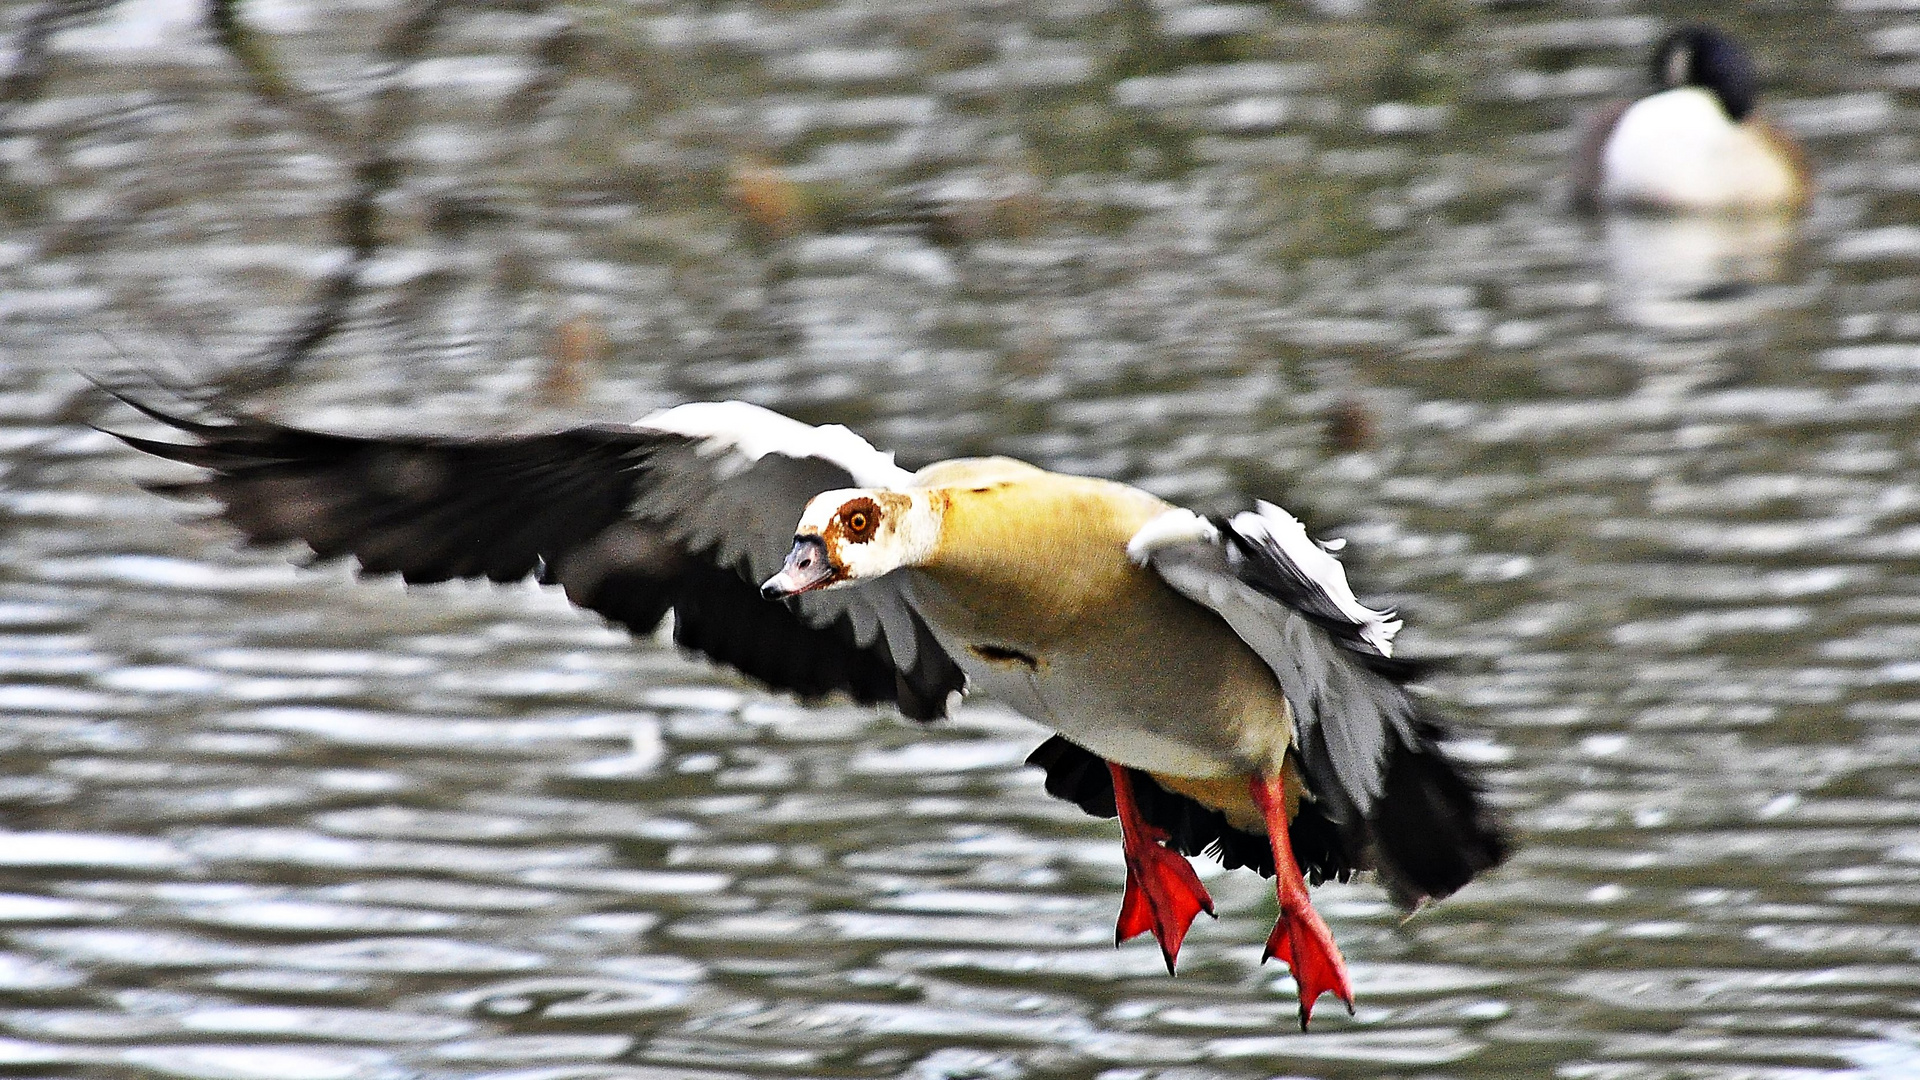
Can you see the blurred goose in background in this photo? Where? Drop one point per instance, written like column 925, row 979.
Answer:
column 1695, row 145
column 1214, row 682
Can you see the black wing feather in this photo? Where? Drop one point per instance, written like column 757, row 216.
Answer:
column 631, row 522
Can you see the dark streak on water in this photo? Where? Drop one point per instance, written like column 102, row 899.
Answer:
column 1652, row 483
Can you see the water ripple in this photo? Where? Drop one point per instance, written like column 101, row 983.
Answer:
column 1649, row 481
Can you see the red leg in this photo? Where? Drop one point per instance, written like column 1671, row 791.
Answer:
column 1164, row 895
column 1300, row 937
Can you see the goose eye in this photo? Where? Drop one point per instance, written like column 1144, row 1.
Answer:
column 859, row 520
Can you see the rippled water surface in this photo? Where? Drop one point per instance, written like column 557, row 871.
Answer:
column 1651, row 484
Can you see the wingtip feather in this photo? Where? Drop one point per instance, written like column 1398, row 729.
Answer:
column 146, row 408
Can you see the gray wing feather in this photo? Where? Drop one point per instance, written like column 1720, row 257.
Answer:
column 743, row 516
column 746, row 516
column 893, row 616
column 1346, row 717
column 1372, row 756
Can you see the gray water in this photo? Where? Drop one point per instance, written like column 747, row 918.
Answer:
column 1650, row 485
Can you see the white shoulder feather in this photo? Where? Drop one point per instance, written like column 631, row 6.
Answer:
column 748, row 433
column 1176, row 526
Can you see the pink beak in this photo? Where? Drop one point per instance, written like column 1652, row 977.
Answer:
column 807, row 569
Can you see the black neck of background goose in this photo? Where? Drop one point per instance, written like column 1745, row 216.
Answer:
column 1704, row 57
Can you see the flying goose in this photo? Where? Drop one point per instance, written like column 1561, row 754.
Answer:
column 1696, row 144
column 1214, row 682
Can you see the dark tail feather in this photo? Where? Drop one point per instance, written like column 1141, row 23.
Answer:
column 200, row 454
column 1076, row 775
column 1318, row 848
column 1079, row 776
column 1432, row 829
column 1430, row 833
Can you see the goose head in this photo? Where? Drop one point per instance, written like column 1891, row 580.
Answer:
column 856, row 534
column 1704, row 57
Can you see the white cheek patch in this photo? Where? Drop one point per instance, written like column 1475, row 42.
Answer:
column 1678, row 149
column 862, row 561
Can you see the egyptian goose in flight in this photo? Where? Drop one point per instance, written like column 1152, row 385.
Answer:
column 1215, row 683
column 1695, row 145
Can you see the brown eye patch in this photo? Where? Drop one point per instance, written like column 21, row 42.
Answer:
column 861, row 518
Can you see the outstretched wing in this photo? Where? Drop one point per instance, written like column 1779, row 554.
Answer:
column 1371, row 753
column 685, row 511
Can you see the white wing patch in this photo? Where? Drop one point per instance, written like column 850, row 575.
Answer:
column 1283, row 532
column 749, row 433
column 1170, row 529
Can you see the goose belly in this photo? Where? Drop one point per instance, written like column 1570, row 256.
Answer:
column 1112, row 658
column 1116, row 730
column 1193, row 712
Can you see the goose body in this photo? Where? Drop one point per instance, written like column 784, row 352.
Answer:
column 1214, row 683
column 1695, row 145
column 1108, row 655
column 1678, row 150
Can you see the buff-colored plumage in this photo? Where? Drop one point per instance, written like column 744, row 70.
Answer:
column 1032, row 590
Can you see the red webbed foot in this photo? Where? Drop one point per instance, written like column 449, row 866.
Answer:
column 1163, row 895
column 1302, row 941
column 1300, row 937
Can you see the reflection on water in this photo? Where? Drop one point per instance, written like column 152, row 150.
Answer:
column 1650, row 482
column 1696, row 273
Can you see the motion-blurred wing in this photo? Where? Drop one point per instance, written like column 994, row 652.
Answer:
column 687, row 510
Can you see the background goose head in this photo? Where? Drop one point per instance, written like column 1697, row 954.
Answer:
column 1697, row 144
column 856, row 534
column 1701, row 56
